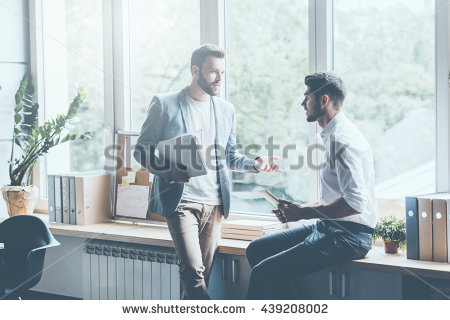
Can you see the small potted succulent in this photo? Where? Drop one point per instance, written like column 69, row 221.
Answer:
column 393, row 232
column 32, row 141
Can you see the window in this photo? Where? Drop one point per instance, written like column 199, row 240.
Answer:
column 385, row 51
column 73, row 58
column 163, row 35
column 267, row 58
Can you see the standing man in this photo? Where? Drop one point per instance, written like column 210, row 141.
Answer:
column 347, row 211
column 194, row 207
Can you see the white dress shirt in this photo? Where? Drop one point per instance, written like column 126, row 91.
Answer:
column 347, row 170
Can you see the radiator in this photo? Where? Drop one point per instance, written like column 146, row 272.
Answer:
column 123, row 271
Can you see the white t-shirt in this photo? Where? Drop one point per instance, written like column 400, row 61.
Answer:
column 203, row 189
column 348, row 170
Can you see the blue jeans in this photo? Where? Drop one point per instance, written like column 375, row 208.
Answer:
column 280, row 258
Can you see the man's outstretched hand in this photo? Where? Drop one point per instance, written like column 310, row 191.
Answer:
column 267, row 164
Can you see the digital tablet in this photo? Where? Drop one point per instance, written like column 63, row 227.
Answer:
column 270, row 197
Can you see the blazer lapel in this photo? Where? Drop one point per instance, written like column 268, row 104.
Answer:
column 183, row 103
column 219, row 131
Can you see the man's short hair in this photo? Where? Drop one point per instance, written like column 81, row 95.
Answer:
column 320, row 83
column 199, row 55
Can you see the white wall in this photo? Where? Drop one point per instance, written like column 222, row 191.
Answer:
column 14, row 61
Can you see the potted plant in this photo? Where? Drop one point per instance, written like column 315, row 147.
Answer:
column 393, row 232
column 32, row 141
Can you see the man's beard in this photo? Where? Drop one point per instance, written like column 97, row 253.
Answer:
column 318, row 112
column 202, row 83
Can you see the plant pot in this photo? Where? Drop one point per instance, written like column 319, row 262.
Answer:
column 390, row 247
column 20, row 199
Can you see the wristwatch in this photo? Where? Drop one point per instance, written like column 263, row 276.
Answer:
column 256, row 159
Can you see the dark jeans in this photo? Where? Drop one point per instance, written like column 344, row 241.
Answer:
column 280, row 258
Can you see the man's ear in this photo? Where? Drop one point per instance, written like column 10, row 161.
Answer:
column 195, row 71
column 324, row 100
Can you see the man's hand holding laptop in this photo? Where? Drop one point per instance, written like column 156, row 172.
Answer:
column 179, row 175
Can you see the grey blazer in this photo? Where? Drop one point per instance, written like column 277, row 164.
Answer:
column 168, row 116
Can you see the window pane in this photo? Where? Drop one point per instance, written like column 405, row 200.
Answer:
column 385, row 52
column 85, row 68
column 73, row 58
column 267, row 60
column 163, row 35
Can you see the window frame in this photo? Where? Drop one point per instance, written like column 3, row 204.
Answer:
column 442, row 41
column 37, row 77
column 117, row 74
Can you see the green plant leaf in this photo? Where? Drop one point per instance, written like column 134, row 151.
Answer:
column 17, row 118
column 22, row 88
column 59, row 120
column 35, row 140
column 85, row 135
column 34, row 121
column 66, row 138
column 75, row 104
column 18, row 142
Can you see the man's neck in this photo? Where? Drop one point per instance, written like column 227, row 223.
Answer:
column 324, row 120
column 196, row 93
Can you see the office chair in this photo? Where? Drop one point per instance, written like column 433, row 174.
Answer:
column 25, row 239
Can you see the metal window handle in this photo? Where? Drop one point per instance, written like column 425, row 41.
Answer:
column 343, row 285
column 330, row 283
column 234, row 270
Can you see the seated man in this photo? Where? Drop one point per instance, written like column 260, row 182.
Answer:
column 347, row 211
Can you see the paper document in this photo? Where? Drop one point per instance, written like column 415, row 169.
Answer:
column 183, row 150
column 132, row 201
